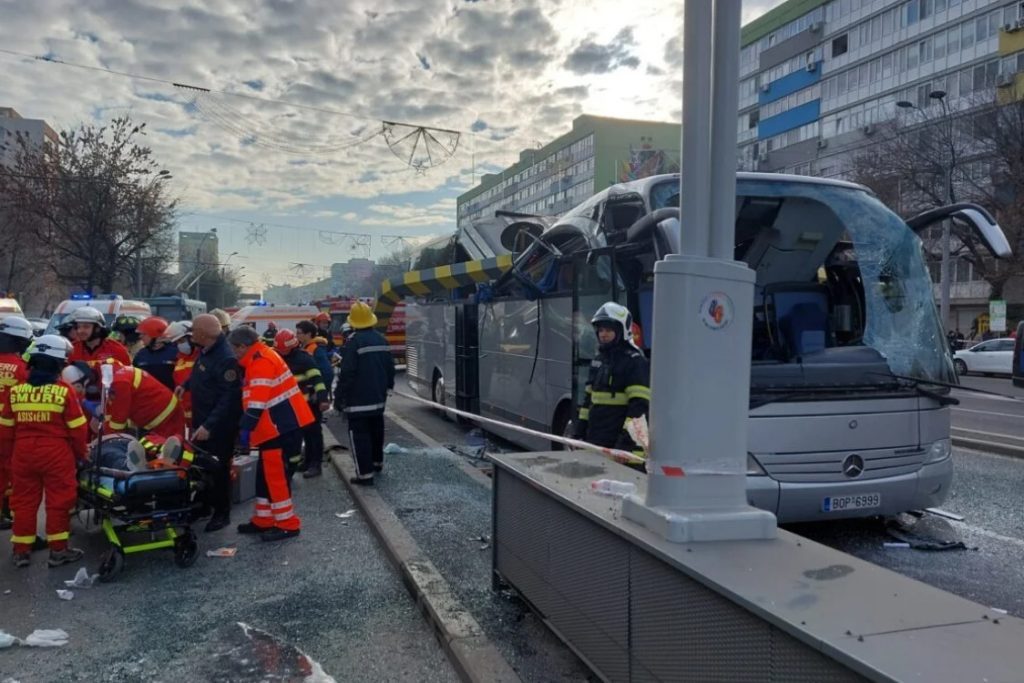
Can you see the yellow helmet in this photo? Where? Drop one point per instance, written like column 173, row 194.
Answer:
column 361, row 317
column 222, row 317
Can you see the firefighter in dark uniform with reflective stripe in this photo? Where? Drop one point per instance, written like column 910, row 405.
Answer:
column 216, row 388
column 366, row 376
column 618, row 388
column 311, row 382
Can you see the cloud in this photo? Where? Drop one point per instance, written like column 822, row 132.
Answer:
column 594, row 58
column 514, row 73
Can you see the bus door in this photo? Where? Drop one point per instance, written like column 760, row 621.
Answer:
column 595, row 281
column 467, row 355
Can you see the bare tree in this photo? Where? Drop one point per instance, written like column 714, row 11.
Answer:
column 926, row 159
column 97, row 199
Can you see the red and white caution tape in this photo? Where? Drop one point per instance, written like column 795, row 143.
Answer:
column 610, row 453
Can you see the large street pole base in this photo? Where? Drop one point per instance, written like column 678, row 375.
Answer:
column 694, row 525
column 701, row 514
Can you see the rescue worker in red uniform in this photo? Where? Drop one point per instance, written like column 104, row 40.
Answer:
column 43, row 426
column 137, row 396
column 180, row 334
column 15, row 337
column 92, row 339
column 275, row 411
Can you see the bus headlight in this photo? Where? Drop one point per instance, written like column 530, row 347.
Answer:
column 939, row 451
column 754, row 468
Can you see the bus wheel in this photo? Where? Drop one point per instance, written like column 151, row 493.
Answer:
column 562, row 424
column 961, row 367
column 437, row 394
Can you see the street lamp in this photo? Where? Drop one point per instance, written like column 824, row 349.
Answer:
column 944, row 279
column 160, row 177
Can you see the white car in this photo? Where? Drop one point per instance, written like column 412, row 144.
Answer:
column 994, row 356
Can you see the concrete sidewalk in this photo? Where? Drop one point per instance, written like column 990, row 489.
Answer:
column 330, row 594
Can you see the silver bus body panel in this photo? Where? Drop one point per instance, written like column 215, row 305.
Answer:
column 801, row 445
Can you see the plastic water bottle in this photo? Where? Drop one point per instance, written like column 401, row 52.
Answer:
column 610, row 487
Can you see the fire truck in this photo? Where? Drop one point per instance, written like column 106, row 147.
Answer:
column 338, row 307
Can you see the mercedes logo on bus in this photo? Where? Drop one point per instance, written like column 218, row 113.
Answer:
column 853, row 465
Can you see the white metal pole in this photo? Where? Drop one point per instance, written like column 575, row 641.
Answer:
column 725, row 99
column 695, row 179
column 703, row 304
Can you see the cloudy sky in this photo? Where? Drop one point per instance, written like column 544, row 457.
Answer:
column 505, row 74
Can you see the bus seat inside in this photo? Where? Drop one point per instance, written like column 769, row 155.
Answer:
column 798, row 312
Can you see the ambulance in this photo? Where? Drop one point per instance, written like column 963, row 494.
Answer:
column 10, row 307
column 111, row 307
column 259, row 316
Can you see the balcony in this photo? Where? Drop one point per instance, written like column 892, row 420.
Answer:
column 977, row 290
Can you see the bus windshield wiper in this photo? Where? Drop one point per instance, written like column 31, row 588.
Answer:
column 918, row 385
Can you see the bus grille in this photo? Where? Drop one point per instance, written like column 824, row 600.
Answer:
column 411, row 362
column 825, row 467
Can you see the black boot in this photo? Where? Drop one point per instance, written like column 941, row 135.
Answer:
column 361, row 482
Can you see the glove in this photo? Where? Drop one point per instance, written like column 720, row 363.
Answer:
column 243, row 439
column 91, row 407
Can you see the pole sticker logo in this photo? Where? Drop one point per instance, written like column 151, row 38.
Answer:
column 716, row 310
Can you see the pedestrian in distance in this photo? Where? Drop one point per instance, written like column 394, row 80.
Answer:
column 216, row 388
column 42, row 427
column 274, row 414
column 156, row 356
column 92, row 342
column 15, row 338
column 366, row 376
column 312, row 386
column 618, row 386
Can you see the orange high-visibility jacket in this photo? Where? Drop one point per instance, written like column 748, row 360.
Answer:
column 271, row 398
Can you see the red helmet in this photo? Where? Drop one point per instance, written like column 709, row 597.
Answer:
column 285, row 341
column 153, row 326
column 322, row 318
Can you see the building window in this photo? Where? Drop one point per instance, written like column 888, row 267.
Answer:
column 753, row 118
column 840, row 45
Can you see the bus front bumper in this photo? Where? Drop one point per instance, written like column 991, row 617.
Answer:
column 806, row 502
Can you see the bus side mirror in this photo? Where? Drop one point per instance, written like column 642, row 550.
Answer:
column 984, row 225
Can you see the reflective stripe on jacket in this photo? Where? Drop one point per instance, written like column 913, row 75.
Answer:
column 272, row 402
column 138, row 397
column 618, row 388
column 47, row 416
column 367, row 373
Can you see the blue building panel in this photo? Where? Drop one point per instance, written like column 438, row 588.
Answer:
column 789, row 119
column 789, row 84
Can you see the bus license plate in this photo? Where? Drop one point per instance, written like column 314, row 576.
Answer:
column 857, row 502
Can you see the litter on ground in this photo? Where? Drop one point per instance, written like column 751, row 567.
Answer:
column 222, row 552
column 47, row 638
column 82, row 579
column 65, row 595
column 345, row 515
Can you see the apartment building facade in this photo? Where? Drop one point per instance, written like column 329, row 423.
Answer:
column 596, row 153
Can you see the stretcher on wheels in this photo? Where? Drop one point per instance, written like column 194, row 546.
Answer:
column 139, row 508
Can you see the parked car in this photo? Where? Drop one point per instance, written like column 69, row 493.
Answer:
column 38, row 325
column 991, row 357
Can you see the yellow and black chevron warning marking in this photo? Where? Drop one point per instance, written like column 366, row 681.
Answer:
column 437, row 281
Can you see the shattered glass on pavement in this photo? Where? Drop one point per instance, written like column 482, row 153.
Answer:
column 448, row 514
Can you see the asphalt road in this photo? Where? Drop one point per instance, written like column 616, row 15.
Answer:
column 985, row 417
column 330, row 594
column 987, row 492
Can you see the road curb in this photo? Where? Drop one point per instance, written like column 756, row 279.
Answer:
column 989, row 447
column 473, row 655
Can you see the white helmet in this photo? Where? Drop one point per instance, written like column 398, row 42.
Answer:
column 52, row 345
column 176, row 330
column 16, row 326
column 611, row 312
column 87, row 314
